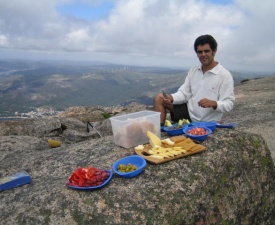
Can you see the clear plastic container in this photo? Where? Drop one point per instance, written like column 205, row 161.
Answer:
column 130, row 130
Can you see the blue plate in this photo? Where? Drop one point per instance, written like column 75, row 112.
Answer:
column 211, row 125
column 162, row 128
column 135, row 160
column 197, row 137
column 93, row 187
column 174, row 132
column 226, row 125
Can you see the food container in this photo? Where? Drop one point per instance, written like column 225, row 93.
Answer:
column 174, row 130
column 197, row 137
column 130, row 130
column 134, row 160
column 211, row 125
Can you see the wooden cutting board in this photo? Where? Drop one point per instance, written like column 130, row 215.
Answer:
column 190, row 147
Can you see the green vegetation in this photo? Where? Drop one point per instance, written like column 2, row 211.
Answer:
column 265, row 161
column 256, row 144
column 106, row 115
column 243, row 81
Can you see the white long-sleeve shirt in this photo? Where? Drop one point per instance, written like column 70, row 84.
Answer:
column 216, row 84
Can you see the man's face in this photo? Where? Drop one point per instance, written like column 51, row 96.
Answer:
column 205, row 54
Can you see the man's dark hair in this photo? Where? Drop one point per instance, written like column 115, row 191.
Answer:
column 206, row 39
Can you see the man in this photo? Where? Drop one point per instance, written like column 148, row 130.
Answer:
column 208, row 90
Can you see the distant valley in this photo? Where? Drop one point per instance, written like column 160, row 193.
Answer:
column 27, row 85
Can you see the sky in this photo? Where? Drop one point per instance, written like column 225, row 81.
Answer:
column 140, row 32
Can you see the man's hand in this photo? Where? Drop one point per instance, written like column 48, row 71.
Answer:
column 206, row 103
column 167, row 102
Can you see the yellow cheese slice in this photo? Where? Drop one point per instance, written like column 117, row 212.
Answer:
column 154, row 139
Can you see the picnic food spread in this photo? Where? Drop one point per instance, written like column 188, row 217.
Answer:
column 88, row 177
column 133, row 132
column 159, row 151
column 180, row 123
column 123, row 168
column 197, row 131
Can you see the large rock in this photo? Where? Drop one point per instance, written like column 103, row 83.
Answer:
column 68, row 130
column 254, row 110
column 232, row 182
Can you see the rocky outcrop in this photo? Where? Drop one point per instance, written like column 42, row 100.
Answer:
column 232, row 182
column 99, row 113
column 254, row 110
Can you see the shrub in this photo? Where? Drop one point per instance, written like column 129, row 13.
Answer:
column 245, row 80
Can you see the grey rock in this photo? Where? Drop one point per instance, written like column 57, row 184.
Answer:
column 254, row 110
column 232, row 182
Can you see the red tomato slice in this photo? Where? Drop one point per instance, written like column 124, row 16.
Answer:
column 90, row 176
column 197, row 131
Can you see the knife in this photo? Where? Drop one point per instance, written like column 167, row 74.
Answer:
column 88, row 130
column 165, row 95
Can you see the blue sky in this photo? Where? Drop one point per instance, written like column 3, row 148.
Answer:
column 139, row 32
column 86, row 11
column 220, row 2
column 99, row 10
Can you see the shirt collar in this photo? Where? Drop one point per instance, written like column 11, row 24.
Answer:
column 215, row 70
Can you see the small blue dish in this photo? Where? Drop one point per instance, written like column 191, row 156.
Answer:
column 173, row 130
column 211, row 125
column 197, row 137
column 93, row 187
column 135, row 160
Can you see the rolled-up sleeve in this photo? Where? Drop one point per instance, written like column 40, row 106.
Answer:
column 226, row 98
column 183, row 93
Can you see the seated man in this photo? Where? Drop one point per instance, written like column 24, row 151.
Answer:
column 208, row 90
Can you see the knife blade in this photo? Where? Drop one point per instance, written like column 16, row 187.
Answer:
column 165, row 95
column 88, row 130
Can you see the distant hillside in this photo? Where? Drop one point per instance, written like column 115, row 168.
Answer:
column 25, row 85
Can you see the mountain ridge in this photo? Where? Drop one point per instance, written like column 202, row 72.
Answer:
column 27, row 85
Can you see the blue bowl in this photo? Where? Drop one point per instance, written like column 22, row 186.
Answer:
column 135, row 160
column 211, row 125
column 172, row 131
column 197, row 137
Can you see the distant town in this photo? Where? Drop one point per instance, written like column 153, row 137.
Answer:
column 38, row 113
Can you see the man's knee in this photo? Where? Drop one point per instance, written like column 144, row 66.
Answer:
column 158, row 98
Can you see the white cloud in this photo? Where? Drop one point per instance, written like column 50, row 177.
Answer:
column 77, row 40
column 4, row 41
column 145, row 31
